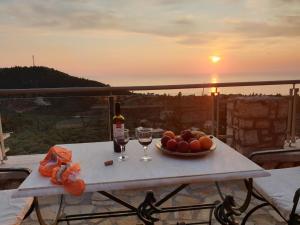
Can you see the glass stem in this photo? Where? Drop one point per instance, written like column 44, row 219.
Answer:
column 145, row 151
column 122, row 151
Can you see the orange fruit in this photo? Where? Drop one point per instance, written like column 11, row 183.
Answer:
column 205, row 142
column 195, row 146
column 169, row 133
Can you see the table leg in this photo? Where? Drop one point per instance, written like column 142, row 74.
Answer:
column 228, row 210
column 145, row 211
column 171, row 194
column 131, row 211
column 39, row 215
column 118, row 200
column 147, row 208
column 150, row 206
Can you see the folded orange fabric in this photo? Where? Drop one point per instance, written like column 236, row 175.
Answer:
column 56, row 174
column 68, row 176
column 71, row 180
column 57, row 165
column 55, row 158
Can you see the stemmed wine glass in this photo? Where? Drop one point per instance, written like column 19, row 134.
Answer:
column 122, row 140
column 144, row 136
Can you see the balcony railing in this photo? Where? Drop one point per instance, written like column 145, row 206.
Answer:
column 100, row 90
column 109, row 95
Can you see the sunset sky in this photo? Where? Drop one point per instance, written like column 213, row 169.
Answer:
column 142, row 42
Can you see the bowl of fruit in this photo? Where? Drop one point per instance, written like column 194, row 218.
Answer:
column 188, row 143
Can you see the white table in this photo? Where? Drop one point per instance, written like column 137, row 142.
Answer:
column 223, row 163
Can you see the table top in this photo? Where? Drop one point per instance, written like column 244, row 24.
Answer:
column 224, row 163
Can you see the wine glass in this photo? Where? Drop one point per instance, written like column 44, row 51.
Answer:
column 122, row 140
column 144, row 136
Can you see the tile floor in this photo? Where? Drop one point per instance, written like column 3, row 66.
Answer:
column 207, row 193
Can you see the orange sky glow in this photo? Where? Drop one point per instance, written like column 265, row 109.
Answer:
column 155, row 41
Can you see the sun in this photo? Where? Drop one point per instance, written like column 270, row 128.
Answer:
column 215, row 59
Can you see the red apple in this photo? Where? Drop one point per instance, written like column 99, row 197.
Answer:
column 172, row 145
column 164, row 140
column 183, row 146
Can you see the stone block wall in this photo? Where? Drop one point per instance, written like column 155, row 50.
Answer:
column 256, row 122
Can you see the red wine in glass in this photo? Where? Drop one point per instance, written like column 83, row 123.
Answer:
column 145, row 141
column 144, row 136
column 122, row 140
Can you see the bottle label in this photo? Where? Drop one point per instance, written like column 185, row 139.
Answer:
column 118, row 129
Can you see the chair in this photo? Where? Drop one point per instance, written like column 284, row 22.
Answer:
column 14, row 210
column 281, row 191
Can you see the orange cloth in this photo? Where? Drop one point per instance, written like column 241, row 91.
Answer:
column 57, row 165
column 71, row 181
column 56, row 174
column 68, row 176
column 55, row 158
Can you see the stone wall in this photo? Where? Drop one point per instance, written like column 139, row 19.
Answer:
column 256, row 122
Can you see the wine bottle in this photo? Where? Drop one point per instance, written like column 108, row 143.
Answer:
column 118, row 126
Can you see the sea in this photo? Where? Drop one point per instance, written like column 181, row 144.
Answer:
column 146, row 80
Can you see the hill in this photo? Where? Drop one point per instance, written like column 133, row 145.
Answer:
column 41, row 77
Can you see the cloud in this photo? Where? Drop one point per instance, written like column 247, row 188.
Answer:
column 175, row 2
column 287, row 1
column 82, row 14
column 51, row 15
column 182, row 22
column 288, row 26
column 198, row 39
column 293, row 20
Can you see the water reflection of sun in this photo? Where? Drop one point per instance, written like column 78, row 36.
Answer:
column 214, row 79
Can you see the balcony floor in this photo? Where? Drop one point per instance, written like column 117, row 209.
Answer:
column 94, row 202
column 191, row 195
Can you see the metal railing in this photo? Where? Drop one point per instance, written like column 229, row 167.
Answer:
column 113, row 91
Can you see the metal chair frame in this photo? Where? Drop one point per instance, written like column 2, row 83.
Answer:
column 228, row 210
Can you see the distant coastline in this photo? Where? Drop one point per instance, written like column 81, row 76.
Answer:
column 43, row 77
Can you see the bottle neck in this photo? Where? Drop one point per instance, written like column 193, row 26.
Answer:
column 117, row 109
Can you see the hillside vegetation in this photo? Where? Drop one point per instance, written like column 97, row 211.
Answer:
column 41, row 77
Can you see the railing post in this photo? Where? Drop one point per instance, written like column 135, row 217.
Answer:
column 293, row 132
column 2, row 147
column 289, row 119
column 111, row 107
column 218, row 113
column 213, row 113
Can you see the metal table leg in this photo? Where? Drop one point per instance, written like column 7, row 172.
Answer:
column 228, row 210
column 39, row 215
column 145, row 211
column 150, row 206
